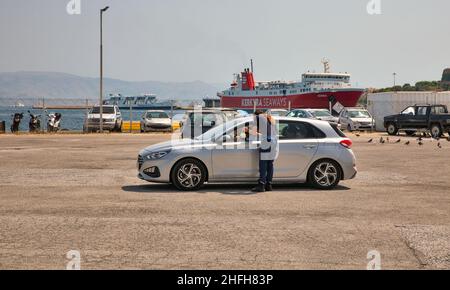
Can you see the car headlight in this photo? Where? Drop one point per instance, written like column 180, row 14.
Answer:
column 157, row 155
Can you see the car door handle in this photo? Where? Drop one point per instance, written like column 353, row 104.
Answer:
column 309, row 146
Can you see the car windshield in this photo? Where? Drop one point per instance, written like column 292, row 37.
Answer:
column 106, row 110
column 358, row 114
column 278, row 112
column 157, row 115
column 321, row 113
column 300, row 114
column 221, row 129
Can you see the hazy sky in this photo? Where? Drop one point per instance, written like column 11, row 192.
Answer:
column 209, row 40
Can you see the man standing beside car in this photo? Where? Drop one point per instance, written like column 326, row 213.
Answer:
column 268, row 150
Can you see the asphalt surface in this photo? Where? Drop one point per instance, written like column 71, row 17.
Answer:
column 76, row 192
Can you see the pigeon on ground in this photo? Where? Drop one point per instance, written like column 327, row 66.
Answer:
column 370, row 141
column 407, row 142
column 381, row 139
column 420, row 143
column 439, row 145
column 398, row 141
column 357, row 135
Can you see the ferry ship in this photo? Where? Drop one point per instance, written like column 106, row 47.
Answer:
column 315, row 90
column 143, row 102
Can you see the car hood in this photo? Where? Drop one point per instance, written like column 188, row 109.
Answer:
column 173, row 144
column 329, row 119
column 159, row 120
column 391, row 117
column 362, row 119
column 105, row 116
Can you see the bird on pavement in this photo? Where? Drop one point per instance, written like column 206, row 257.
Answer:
column 420, row 143
column 398, row 141
column 370, row 141
column 381, row 139
column 407, row 142
column 439, row 145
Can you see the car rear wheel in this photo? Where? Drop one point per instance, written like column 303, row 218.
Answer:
column 324, row 174
column 392, row 129
column 436, row 131
column 188, row 174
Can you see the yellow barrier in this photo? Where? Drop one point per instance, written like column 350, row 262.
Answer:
column 135, row 126
column 176, row 125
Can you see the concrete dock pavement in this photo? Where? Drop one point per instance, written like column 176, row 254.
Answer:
column 79, row 192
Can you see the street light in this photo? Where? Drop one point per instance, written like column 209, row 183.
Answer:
column 101, row 67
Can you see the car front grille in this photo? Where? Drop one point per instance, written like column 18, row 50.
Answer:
column 140, row 161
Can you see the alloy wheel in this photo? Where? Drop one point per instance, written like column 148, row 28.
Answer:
column 325, row 173
column 189, row 175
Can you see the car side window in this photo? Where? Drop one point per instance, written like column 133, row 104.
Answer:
column 438, row 110
column 409, row 111
column 291, row 130
column 422, row 111
column 240, row 133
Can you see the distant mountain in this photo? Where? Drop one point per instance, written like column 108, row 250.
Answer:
column 62, row 85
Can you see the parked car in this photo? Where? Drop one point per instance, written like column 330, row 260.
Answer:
column 324, row 115
column 278, row 112
column 199, row 122
column 356, row 119
column 156, row 120
column 112, row 119
column 300, row 113
column 434, row 118
column 310, row 151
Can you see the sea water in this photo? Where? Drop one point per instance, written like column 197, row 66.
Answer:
column 71, row 120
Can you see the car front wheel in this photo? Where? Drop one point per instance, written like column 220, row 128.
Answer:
column 188, row 174
column 324, row 174
column 392, row 129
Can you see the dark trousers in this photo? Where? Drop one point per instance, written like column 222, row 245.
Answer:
column 265, row 171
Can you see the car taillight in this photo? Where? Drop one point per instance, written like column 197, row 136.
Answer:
column 347, row 143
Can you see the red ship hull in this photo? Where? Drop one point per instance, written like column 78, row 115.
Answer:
column 348, row 98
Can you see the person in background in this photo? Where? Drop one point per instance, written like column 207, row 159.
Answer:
column 266, row 131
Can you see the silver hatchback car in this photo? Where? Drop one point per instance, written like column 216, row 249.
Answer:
column 310, row 151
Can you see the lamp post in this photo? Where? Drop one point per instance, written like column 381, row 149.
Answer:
column 101, row 67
